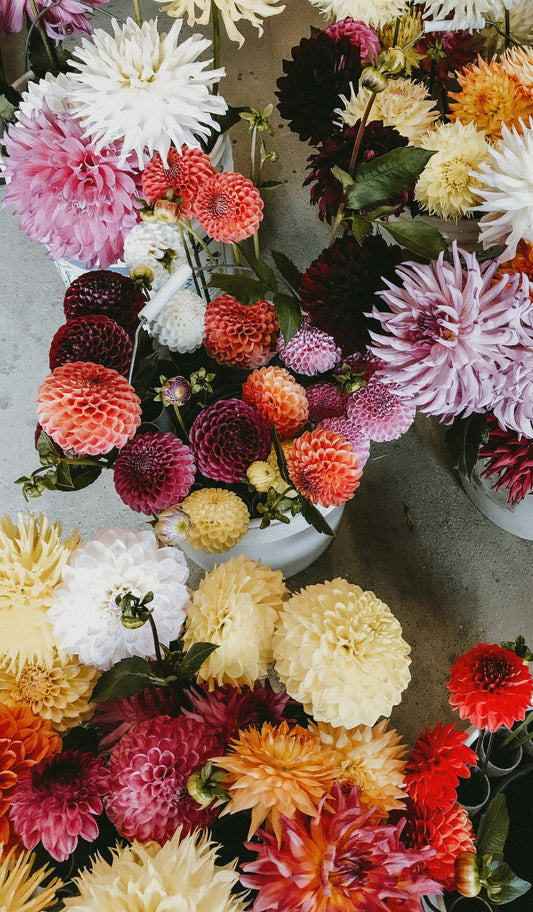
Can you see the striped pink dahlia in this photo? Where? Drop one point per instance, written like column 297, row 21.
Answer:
column 154, row 471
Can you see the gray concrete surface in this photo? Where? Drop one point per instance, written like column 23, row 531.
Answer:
column 452, row 578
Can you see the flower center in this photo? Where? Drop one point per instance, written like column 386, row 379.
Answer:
column 430, row 328
column 34, row 684
column 456, row 174
column 493, row 671
column 219, row 205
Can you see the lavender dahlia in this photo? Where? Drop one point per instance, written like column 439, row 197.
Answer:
column 226, row 437
column 153, row 472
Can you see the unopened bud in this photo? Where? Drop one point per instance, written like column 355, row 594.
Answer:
column 467, row 881
column 167, row 211
column 142, row 276
column 373, row 80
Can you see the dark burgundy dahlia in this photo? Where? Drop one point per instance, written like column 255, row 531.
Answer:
column 95, row 338
column 227, row 437
column 339, row 287
column 153, row 471
column 105, row 292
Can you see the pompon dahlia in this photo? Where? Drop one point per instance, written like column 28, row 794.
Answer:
column 115, row 563
column 32, row 557
column 155, row 249
column 226, row 437
column 339, row 651
column 490, row 97
column 318, row 862
column 375, row 14
column 149, row 769
column 56, row 803
column 23, row 885
column 448, row 832
column 277, row 398
column 95, row 338
column 240, row 336
column 340, row 285
column 145, row 89
column 438, row 760
column 323, row 466
column 277, row 772
column 491, row 687
column 360, row 34
column 326, row 400
column 320, row 70
column 379, row 412
column 76, row 198
column 180, row 323
column 185, row 171
column 353, row 433
column 236, row 606
column 228, row 710
column 404, row 105
column 232, row 11
column 229, row 207
column 184, row 871
column 507, row 461
column 371, row 759
column 310, row 351
column 219, row 519
column 105, row 292
column 447, row 187
column 153, row 471
column 88, row 408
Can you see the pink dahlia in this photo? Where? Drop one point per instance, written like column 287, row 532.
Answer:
column 227, row 437
column 323, row 467
column 353, row 434
column 56, row 803
column 361, row 35
column 153, row 471
column 76, row 198
column 229, row 207
column 310, row 351
column 60, row 20
column 115, row 718
column 491, row 687
column 449, row 331
column 326, row 400
column 238, row 335
column 149, row 770
column 94, row 338
column 227, row 709
column 184, row 173
column 379, row 412
column 438, row 760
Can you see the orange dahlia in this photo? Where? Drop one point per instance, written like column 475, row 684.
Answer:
column 229, row 207
column 88, row 408
column 324, row 467
column 277, row 771
column 278, row 398
column 489, row 97
column 240, row 336
column 185, row 171
column 521, row 262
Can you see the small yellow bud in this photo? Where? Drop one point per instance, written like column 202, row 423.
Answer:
column 264, row 476
column 167, row 211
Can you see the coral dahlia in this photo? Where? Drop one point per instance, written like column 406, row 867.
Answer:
column 94, row 338
column 153, row 471
column 323, row 466
column 229, row 207
column 219, row 519
column 438, row 760
column 240, row 336
column 185, row 171
column 226, row 437
column 448, row 832
column 278, row 399
column 491, row 687
column 353, row 433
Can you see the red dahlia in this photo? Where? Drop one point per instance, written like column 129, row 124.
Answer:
column 95, row 338
column 448, row 832
column 154, row 471
column 508, row 461
column 184, row 173
column 491, row 687
column 439, row 758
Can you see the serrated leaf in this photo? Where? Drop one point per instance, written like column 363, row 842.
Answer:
column 493, row 828
column 386, row 175
column 195, row 657
column 125, row 679
column 289, row 315
column 261, row 269
column 288, row 270
column 361, row 229
column 315, row 518
column 417, row 237
column 243, row 288
column 463, row 440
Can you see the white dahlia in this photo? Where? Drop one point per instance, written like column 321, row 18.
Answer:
column 117, row 562
column 232, row 11
column 465, row 14
column 404, row 105
column 145, row 89
column 372, row 12
column 180, row 324
column 507, row 191
column 446, row 187
column 157, row 247
column 518, row 61
column 51, row 90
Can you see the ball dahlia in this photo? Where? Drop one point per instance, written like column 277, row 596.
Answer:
column 379, row 412
column 229, row 207
column 95, row 338
column 448, row 832
column 226, row 437
column 323, row 466
column 185, row 171
column 491, row 687
column 277, row 398
column 105, row 292
column 353, row 433
column 240, row 336
column 153, row 471
column 326, row 400
column 219, row 519
column 310, row 351
column 438, row 760
column 180, row 323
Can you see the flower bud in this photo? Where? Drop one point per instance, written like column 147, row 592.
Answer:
column 394, row 62
column 172, row 526
column 372, row 79
column 467, row 881
column 176, row 391
column 167, row 211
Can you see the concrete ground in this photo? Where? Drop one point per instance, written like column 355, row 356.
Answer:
column 451, row 577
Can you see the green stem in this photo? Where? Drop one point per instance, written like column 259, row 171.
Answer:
column 257, row 248
column 185, row 243
column 396, row 30
column 48, row 46
column 507, row 28
column 216, row 40
column 159, row 657
column 138, row 14
column 356, row 146
column 252, row 155
column 180, row 420
column 201, row 241
column 487, row 751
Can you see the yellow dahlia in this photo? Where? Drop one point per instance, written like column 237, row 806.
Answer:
column 519, row 62
column 402, row 34
column 446, row 186
column 489, row 98
column 371, row 759
column 339, row 651
column 232, row 11
column 58, row 689
column 19, row 880
column 219, row 519
column 277, row 771
column 236, row 606
column 404, row 104
column 263, row 476
column 182, row 874
column 32, row 558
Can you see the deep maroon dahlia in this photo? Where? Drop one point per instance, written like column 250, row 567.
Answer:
column 326, row 400
column 446, row 52
column 339, row 287
column 336, row 149
column 95, row 338
column 321, row 69
column 153, row 471
column 105, row 292
column 227, row 709
column 508, row 461
column 227, row 437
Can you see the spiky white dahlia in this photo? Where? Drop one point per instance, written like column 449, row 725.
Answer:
column 372, row 12
column 145, row 89
column 465, row 14
column 156, row 247
column 52, row 90
column 507, row 191
column 404, row 104
column 232, row 11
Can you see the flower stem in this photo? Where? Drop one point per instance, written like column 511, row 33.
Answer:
column 138, row 14
column 216, row 40
column 351, row 167
column 185, row 243
column 48, row 46
column 180, row 420
column 159, row 657
column 507, row 27
column 487, row 751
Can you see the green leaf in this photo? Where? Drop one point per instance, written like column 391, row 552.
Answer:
column 261, row 269
column 417, row 237
column 194, row 658
column 45, row 446
column 243, row 288
column 81, row 477
column 386, row 175
column 288, row 270
column 493, row 828
column 280, row 456
column 125, row 679
column 463, row 440
column 64, row 478
column 503, row 885
column 343, row 177
column 361, row 229
column 289, row 315
column 269, row 185
column 7, row 110
column 315, row 518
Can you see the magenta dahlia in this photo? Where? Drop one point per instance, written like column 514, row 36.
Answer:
column 149, row 770
column 508, row 461
column 310, row 351
column 57, row 801
column 227, row 437
column 353, row 434
column 153, row 471
column 379, row 412
column 360, row 34
column 95, row 338
column 227, row 709
column 59, row 19
column 326, row 400
column 75, row 197
column 438, row 760
column 105, row 292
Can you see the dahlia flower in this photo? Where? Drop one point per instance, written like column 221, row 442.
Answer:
column 377, row 13
column 325, row 400
column 23, row 886
column 379, row 412
column 317, row 864
column 105, row 292
column 277, row 772
column 153, row 471
column 229, row 207
column 184, row 870
column 263, row 476
column 361, row 35
column 446, row 52
column 57, row 802
column 186, row 169
column 447, row 187
column 464, row 14
column 145, row 89
column 519, row 62
column 88, row 408
column 115, row 718
column 447, row 832
column 232, row 11
column 118, row 562
column 50, row 91
column 438, row 760
column 226, row 437
column 180, row 323
column 149, row 769
column 402, row 33
column 236, row 606
column 95, row 338
column 507, row 461
column 155, row 247
column 353, row 434
column 77, row 198
column 240, row 336
column 323, row 466
column 450, row 331
column 277, row 398
column 219, row 519
column 491, row 98
column 32, row 557
column 70, row 17
column 228, row 710
column 404, row 105
column 310, row 351
column 491, row 687
column 339, row 651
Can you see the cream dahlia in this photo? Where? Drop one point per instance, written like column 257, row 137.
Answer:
column 375, row 13
column 232, row 11
column 403, row 34
column 447, row 187
column 157, row 248
column 180, row 323
column 219, row 519
column 519, row 62
column 449, row 15
column 404, row 104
